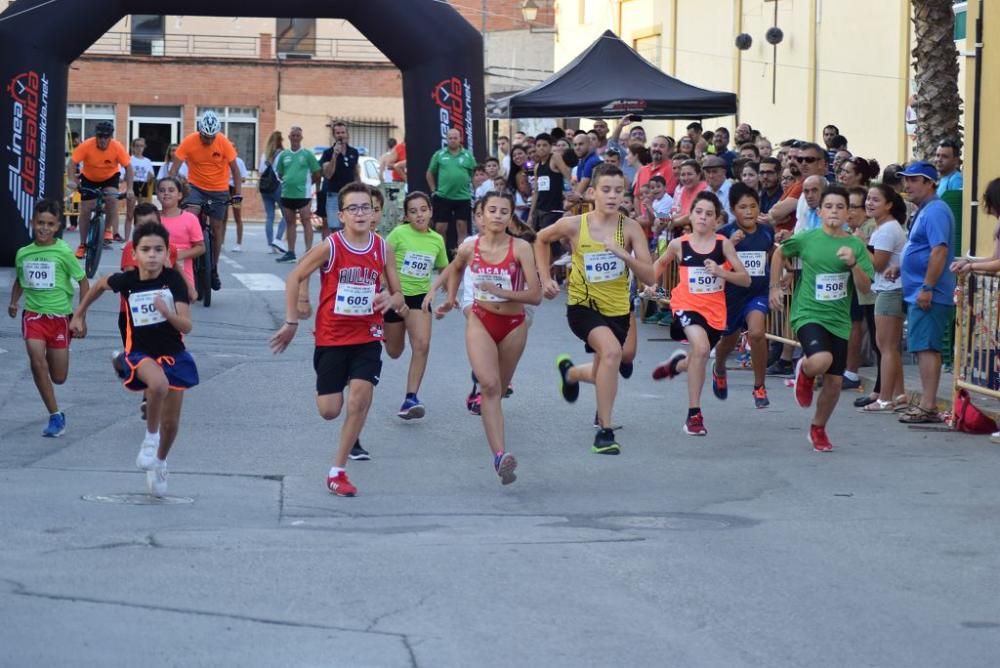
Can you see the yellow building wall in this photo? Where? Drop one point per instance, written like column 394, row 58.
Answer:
column 988, row 137
column 845, row 62
column 312, row 113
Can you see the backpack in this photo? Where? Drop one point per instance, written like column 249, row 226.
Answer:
column 268, row 181
column 970, row 419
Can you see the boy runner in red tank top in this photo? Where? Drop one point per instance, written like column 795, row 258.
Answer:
column 353, row 264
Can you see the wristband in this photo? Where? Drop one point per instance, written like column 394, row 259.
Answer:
column 852, row 266
column 292, row 324
column 926, row 288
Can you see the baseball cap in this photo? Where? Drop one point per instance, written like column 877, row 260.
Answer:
column 713, row 161
column 920, row 168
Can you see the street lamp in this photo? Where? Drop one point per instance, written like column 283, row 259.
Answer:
column 529, row 10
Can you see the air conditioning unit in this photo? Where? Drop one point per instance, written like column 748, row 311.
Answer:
column 294, row 55
column 156, row 47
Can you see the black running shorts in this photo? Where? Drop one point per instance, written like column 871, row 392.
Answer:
column 336, row 366
column 818, row 339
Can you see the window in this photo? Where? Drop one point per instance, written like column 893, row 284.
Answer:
column 649, row 48
column 147, row 34
column 296, row 36
column 239, row 124
column 961, row 20
column 84, row 117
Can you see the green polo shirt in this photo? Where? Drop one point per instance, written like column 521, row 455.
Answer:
column 453, row 172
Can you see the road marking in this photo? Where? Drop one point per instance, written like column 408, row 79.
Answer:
column 232, row 263
column 261, row 282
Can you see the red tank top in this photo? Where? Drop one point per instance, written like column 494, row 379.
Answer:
column 350, row 280
column 506, row 274
column 696, row 289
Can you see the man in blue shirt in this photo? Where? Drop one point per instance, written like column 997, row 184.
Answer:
column 928, row 286
column 948, row 159
column 720, row 140
column 588, row 159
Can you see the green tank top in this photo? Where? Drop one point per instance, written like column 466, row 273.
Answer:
column 599, row 280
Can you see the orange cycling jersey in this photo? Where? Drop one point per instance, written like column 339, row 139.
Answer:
column 100, row 165
column 208, row 165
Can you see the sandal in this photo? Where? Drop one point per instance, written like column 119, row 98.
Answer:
column 921, row 416
column 878, row 406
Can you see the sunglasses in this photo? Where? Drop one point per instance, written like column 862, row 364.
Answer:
column 806, row 158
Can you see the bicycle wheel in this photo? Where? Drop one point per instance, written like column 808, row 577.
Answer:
column 204, row 284
column 95, row 244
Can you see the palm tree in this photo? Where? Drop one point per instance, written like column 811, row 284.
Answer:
column 935, row 61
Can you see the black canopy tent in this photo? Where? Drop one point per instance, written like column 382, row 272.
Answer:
column 609, row 79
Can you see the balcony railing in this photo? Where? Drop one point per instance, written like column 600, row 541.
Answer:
column 226, row 46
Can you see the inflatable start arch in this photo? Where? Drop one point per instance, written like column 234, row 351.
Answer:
column 439, row 54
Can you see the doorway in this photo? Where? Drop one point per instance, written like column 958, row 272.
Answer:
column 159, row 126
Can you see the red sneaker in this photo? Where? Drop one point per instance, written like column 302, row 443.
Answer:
column 668, row 368
column 340, row 485
column 81, row 250
column 820, row 441
column 695, row 425
column 803, row 386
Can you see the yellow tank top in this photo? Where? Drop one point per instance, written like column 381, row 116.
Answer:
column 599, row 280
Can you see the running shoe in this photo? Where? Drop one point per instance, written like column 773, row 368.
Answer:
column 652, row 318
column 570, row 390
column 820, row 441
column 146, row 459
column 216, row 281
column 695, row 425
column 504, row 463
column 278, row 249
column 780, row 368
column 803, row 386
column 605, row 444
column 760, row 399
column 117, row 238
column 358, row 453
column 666, row 319
column 81, row 250
column 474, row 403
column 340, row 485
column 236, row 249
column 510, row 391
column 56, row 426
column 626, row 369
column 849, row 384
column 287, row 258
column 411, row 409
column 668, row 368
column 156, row 479
column 720, row 386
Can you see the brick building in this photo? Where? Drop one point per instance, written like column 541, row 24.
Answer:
column 153, row 74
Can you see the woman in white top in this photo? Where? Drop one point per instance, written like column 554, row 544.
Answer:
column 887, row 241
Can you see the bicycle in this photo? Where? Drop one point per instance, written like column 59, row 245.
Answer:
column 203, row 263
column 95, row 234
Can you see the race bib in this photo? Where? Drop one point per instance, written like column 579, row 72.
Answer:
column 40, row 274
column 143, row 309
column 754, row 261
column 701, row 281
column 502, row 281
column 602, row 266
column 543, row 184
column 831, row 287
column 417, row 265
column 354, row 299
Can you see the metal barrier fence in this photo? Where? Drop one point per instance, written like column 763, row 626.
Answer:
column 779, row 327
column 977, row 334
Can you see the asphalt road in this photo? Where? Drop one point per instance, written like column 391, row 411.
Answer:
column 743, row 548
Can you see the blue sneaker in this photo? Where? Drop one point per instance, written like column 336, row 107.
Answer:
column 57, row 425
column 411, row 409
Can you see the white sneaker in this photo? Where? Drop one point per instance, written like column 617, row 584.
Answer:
column 146, row 459
column 995, row 437
column 564, row 261
column 236, row 249
column 156, row 479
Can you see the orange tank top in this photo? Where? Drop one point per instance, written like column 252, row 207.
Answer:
column 697, row 290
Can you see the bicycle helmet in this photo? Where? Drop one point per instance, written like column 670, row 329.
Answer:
column 209, row 124
column 104, row 129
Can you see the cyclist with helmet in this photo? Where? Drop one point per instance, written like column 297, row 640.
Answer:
column 211, row 160
column 100, row 158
